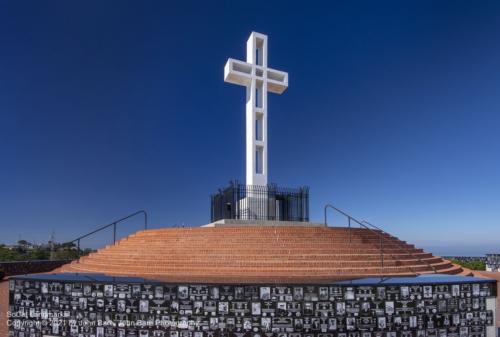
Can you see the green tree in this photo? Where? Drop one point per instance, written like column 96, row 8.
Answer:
column 473, row 265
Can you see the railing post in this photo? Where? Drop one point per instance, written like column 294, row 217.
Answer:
column 349, row 221
column 114, row 224
column 382, row 251
column 211, row 210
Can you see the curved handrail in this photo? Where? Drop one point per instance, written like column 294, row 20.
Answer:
column 114, row 223
column 349, row 218
column 380, row 233
column 401, row 245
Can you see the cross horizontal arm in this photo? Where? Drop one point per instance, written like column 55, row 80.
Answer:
column 242, row 73
column 238, row 72
column 277, row 81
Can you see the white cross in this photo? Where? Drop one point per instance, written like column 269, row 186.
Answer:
column 258, row 80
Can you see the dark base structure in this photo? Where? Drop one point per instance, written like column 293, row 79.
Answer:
column 251, row 202
column 94, row 305
column 30, row 267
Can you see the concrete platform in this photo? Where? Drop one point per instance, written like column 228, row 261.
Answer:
column 264, row 223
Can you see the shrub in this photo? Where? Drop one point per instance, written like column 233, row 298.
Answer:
column 473, row 265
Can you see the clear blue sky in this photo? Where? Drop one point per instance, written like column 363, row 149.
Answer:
column 393, row 113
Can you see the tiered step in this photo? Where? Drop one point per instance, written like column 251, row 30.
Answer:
column 261, row 254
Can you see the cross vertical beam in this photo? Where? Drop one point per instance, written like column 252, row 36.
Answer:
column 258, row 79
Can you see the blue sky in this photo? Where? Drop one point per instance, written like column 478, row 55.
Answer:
column 393, row 113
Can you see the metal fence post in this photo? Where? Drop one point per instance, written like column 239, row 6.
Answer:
column 382, row 251
column 349, row 220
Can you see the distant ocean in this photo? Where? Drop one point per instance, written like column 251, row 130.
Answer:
column 461, row 250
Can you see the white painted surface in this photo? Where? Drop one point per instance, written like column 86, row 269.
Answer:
column 491, row 304
column 263, row 223
column 258, row 78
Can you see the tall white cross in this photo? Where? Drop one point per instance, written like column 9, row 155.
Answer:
column 258, row 80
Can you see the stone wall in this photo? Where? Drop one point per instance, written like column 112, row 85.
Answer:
column 496, row 276
column 87, row 306
column 19, row 268
column 30, row 267
column 4, row 307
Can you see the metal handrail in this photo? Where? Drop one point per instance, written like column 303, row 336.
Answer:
column 349, row 218
column 401, row 245
column 380, row 233
column 114, row 223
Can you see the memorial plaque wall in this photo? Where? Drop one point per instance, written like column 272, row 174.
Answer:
column 119, row 309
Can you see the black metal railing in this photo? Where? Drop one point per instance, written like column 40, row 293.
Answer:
column 383, row 236
column 351, row 219
column 401, row 245
column 114, row 223
column 251, row 202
